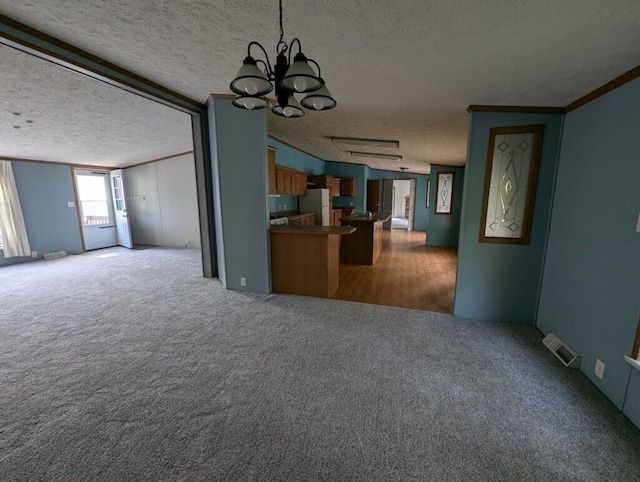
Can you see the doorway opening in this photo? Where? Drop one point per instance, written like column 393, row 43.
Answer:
column 96, row 209
column 399, row 199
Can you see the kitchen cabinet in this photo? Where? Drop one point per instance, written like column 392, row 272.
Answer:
column 347, row 186
column 305, row 260
column 271, row 156
column 335, row 187
column 327, row 182
column 336, row 214
column 365, row 245
column 308, row 219
column 290, row 181
column 300, row 183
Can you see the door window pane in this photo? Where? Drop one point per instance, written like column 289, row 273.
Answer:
column 92, row 192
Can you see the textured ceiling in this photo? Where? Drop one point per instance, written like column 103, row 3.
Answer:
column 404, row 69
column 80, row 120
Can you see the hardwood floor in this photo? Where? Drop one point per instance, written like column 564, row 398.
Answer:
column 407, row 274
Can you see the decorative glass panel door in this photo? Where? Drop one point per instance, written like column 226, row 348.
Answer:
column 123, row 228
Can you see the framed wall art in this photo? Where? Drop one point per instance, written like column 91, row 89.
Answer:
column 511, row 179
column 444, row 193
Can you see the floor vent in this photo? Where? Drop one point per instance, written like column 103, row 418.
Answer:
column 561, row 350
column 57, row 254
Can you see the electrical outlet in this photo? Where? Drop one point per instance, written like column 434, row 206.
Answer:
column 351, row 203
column 285, row 207
column 243, row 281
column 34, row 254
column 71, row 204
column 599, row 371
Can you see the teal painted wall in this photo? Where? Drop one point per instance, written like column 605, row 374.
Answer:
column 591, row 287
column 44, row 191
column 240, row 178
column 444, row 229
column 501, row 282
column 420, row 221
column 357, row 172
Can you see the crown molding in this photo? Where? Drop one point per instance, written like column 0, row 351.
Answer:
column 57, row 163
column 172, row 156
column 585, row 99
column 516, row 109
column 213, row 97
column 604, row 89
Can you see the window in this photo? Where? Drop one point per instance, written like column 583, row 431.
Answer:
column 92, row 192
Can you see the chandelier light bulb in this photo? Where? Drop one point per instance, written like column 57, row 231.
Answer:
column 288, row 111
column 249, row 104
column 300, row 84
column 318, row 104
column 251, row 87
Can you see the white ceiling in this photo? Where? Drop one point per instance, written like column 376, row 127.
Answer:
column 80, row 120
column 404, row 69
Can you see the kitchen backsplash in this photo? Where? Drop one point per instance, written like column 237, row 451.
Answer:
column 283, row 203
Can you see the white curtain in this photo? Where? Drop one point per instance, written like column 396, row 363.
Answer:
column 12, row 228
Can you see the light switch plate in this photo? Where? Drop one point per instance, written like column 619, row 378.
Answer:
column 71, row 204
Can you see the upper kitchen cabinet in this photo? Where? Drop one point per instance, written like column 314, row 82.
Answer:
column 347, row 186
column 283, row 180
column 327, row 182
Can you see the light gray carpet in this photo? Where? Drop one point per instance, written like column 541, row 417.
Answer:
column 134, row 367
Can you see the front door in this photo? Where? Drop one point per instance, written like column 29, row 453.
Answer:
column 373, row 195
column 123, row 229
column 96, row 209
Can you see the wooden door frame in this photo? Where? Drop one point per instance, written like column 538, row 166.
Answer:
column 31, row 41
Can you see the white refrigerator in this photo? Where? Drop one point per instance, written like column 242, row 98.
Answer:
column 317, row 201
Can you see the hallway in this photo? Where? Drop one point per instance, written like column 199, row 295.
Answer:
column 407, row 274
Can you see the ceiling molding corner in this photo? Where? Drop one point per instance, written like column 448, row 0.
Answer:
column 604, row 89
column 515, row 109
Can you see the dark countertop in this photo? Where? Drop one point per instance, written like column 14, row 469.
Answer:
column 282, row 214
column 364, row 218
column 316, row 230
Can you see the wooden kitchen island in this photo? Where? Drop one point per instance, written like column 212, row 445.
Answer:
column 305, row 259
column 364, row 246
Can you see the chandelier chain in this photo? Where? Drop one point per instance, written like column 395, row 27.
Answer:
column 282, row 47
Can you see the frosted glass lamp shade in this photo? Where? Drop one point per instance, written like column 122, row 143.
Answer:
column 250, row 102
column 292, row 109
column 250, row 80
column 300, row 77
column 320, row 99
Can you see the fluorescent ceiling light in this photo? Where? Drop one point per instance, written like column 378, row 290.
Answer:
column 388, row 157
column 365, row 142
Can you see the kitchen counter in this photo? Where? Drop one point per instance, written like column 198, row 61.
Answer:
column 305, row 259
column 365, row 245
column 366, row 218
column 321, row 230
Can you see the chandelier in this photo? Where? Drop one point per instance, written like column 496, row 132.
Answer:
column 252, row 84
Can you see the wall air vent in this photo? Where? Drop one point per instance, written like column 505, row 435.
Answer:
column 561, row 350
